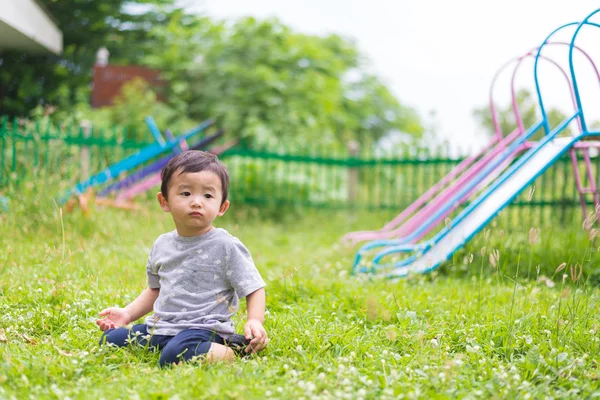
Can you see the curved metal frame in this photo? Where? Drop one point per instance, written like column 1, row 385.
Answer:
column 579, row 112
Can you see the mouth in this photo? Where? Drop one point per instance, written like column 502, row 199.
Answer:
column 195, row 214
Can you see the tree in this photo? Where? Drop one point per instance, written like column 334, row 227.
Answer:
column 29, row 80
column 261, row 80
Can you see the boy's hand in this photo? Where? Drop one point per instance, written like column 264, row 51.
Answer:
column 114, row 317
column 256, row 333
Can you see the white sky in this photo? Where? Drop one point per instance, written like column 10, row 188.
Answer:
column 437, row 54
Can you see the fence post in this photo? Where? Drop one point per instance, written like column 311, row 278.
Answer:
column 353, row 150
column 86, row 129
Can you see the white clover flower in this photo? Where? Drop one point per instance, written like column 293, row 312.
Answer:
column 473, row 349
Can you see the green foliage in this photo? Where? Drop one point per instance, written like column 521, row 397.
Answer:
column 263, row 81
column 135, row 102
column 124, row 121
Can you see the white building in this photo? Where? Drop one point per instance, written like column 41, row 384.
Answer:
column 26, row 25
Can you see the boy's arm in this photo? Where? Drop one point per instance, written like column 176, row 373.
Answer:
column 254, row 329
column 143, row 304
column 115, row 316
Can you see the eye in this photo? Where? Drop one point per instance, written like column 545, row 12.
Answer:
column 208, row 196
column 186, row 194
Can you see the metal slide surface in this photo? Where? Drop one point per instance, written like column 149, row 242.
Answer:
column 496, row 200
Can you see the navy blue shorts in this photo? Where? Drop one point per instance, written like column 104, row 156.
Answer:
column 181, row 347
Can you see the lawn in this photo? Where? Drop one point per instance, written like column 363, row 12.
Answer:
column 504, row 326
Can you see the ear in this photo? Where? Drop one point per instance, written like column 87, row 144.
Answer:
column 223, row 208
column 163, row 202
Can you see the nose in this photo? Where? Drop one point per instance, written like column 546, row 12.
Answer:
column 196, row 201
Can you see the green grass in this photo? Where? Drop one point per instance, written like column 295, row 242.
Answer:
column 468, row 330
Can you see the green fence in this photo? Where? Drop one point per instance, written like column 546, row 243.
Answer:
column 307, row 176
column 386, row 183
column 67, row 154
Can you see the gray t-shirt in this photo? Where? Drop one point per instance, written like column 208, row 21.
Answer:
column 200, row 280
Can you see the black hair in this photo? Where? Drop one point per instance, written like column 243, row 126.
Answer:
column 195, row 161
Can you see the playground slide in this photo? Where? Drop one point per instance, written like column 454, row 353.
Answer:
column 420, row 215
column 481, row 211
column 134, row 160
column 466, row 164
column 427, row 255
column 492, row 168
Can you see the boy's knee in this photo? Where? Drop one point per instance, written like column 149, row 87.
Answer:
column 173, row 354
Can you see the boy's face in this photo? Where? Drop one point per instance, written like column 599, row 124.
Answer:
column 194, row 201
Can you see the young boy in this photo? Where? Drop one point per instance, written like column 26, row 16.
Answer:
column 195, row 274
